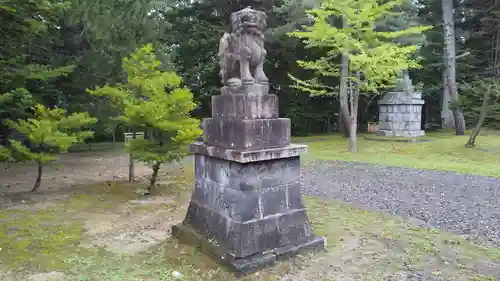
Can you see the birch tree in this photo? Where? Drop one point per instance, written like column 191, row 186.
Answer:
column 450, row 67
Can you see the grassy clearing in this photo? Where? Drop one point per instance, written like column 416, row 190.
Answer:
column 362, row 245
column 446, row 152
column 383, row 245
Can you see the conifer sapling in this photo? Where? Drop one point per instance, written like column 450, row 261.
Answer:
column 49, row 132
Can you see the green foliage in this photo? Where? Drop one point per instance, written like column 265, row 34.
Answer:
column 14, row 104
column 23, row 21
column 51, row 131
column 153, row 100
column 374, row 54
column 5, row 154
column 472, row 95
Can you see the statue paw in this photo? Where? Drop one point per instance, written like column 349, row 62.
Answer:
column 248, row 81
column 234, row 83
column 262, row 80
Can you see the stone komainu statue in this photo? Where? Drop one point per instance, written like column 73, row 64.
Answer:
column 241, row 52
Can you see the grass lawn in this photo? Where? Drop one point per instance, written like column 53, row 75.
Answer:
column 445, row 152
column 54, row 235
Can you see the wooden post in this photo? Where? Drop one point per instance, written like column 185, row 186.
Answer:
column 372, row 127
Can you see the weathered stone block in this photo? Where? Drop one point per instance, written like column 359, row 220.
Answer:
column 273, row 200
column 248, row 176
column 250, row 208
column 398, row 112
column 206, row 221
column 249, row 134
column 242, row 106
column 245, row 265
column 318, row 243
column 243, row 239
column 248, row 156
column 271, row 232
column 294, row 196
column 237, row 205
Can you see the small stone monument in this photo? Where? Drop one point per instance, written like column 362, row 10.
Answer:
column 400, row 111
column 246, row 208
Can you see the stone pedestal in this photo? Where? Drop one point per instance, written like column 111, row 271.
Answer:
column 246, row 208
column 400, row 113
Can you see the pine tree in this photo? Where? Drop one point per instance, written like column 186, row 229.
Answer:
column 154, row 101
column 49, row 132
column 5, row 154
column 375, row 58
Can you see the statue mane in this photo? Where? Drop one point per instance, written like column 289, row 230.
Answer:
column 248, row 16
column 241, row 52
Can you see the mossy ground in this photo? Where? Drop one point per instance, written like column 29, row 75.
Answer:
column 362, row 245
column 39, row 236
column 445, row 152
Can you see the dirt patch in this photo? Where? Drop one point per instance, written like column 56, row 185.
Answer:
column 133, row 229
column 68, row 170
column 107, row 231
column 50, row 276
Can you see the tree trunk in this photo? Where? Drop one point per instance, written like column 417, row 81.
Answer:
column 353, row 138
column 114, row 137
column 343, row 122
column 329, row 126
column 482, row 115
column 343, row 95
column 447, row 119
column 131, row 164
column 450, row 63
column 154, row 176
column 38, row 178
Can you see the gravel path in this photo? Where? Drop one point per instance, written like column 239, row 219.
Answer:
column 465, row 204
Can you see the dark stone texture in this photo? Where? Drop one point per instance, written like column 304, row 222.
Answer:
column 249, row 208
column 256, row 236
column 284, row 253
column 248, row 264
column 294, row 196
column 243, row 239
column 248, row 134
column 210, row 224
column 253, row 263
column 248, row 176
column 239, row 206
column 295, row 228
column 241, row 106
column 248, row 156
column 274, row 200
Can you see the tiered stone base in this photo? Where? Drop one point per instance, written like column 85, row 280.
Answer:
column 401, row 114
column 243, row 266
column 401, row 133
column 250, row 211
